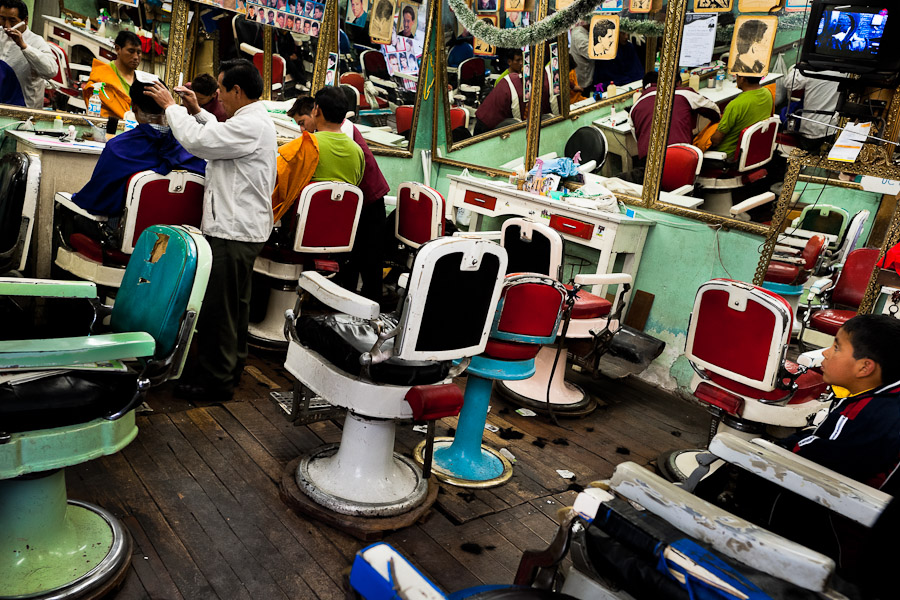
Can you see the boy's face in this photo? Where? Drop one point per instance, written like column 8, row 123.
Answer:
column 839, row 367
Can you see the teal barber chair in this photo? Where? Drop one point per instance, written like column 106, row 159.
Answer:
column 55, row 414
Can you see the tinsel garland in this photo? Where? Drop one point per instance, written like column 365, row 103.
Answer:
column 558, row 22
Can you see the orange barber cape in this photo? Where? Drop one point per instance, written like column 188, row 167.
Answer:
column 114, row 101
column 297, row 161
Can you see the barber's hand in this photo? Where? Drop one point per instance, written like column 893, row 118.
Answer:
column 16, row 36
column 161, row 94
column 188, row 99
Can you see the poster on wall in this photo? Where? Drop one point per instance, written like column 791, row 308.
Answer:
column 699, row 39
column 357, row 12
column 562, row 4
column 516, row 19
column 701, row 6
column 526, row 73
column 604, row 37
column 554, row 68
column 381, row 21
column 751, row 45
column 302, row 16
column 758, row 5
column 485, row 6
column 513, row 6
column 798, row 5
column 482, row 48
column 644, row 6
column 611, row 5
column 408, row 20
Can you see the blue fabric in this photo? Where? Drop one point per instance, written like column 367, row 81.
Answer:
column 141, row 149
column 459, row 53
column 792, row 108
column 10, row 88
column 563, row 166
column 624, row 68
column 700, row 590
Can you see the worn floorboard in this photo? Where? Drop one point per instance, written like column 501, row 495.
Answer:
column 198, row 491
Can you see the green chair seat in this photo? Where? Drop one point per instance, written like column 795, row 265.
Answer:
column 62, row 352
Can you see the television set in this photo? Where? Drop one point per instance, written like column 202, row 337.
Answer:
column 861, row 37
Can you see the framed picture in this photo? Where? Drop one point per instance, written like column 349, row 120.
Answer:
column 357, row 12
column 611, row 5
column 763, row 6
column 408, row 20
column 526, row 73
column 516, row 19
column 381, row 21
column 643, row 6
column 482, row 48
column 513, row 6
column 563, row 4
column 331, row 71
column 554, row 68
column 797, row 5
column 604, row 37
column 713, row 5
column 751, row 45
column 486, row 6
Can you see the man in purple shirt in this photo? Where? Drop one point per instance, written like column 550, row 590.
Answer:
column 206, row 88
column 685, row 108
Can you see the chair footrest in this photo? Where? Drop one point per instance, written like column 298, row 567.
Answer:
column 62, row 352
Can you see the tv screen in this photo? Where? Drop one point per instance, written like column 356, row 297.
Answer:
column 852, row 32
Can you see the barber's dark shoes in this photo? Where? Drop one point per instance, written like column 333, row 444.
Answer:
column 196, row 392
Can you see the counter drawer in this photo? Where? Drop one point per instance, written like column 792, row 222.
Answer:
column 479, row 199
column 572, row 227
column 62, row 33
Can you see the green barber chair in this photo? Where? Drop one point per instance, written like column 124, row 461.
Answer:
column 54, row 414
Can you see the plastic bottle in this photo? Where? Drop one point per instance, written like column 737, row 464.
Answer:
column 695, row 82
column 93, row 107
column 720, row 79
column 58, row 123
column 130, row 121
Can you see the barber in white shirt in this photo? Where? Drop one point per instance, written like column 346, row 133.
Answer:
column 818, row 95
column 237, row 214
column 26, row 61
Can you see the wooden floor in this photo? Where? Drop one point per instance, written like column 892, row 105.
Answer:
column 198, row 490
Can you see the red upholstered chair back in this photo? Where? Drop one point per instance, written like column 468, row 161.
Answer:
column 420, row 214
column 458, row 117
column 327, row 217
column 277, row 66
column 62, row 63
column 404, row 116
column 739, row 331
column 854, row 277
column 154, row 199
column 357, row 82
column 373, row 63
column 530, row 309
column 683, row 163
column 757, row 144
column 471, row 71
column 811, row 251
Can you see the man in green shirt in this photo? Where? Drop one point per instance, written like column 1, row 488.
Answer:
column 752, row 105
column 340, row 158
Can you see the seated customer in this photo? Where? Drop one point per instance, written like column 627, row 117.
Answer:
column 514, row 64
column 752, row 105
column 507, row 100
column 686, row 105
column 148, row 147
column 26, row 61
column 206, row 88
column 116, row 77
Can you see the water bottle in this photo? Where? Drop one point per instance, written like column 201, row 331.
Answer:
column 720, row 79
column 130, row 121
column 93, row 107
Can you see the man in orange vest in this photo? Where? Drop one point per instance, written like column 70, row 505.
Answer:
column 116, row 77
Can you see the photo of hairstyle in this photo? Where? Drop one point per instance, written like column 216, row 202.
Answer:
column 381, row 21
column 604, row 36
column 751, row 45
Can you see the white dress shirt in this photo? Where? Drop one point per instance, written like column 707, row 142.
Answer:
column 580, row 50
column 819, row 94
column 240, row 169
column 33, row 65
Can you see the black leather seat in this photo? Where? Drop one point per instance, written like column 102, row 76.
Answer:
column 13, row 180
column 591, row 142
column 342, row 339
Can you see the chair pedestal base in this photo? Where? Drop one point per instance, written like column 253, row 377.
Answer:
column 269, row 332
column 568, row 399
column 717, row 201
column 362, row 476
column 54, row 548
column 677, row 465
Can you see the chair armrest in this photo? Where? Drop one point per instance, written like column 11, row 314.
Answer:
column 65, row 199
column 713, row 155
column 85, row 68
column 62, row 352
column 821, row 285
column 784, row 249
column 249, row 49
column 811, row 359
column 802, row 476
column 479, row 235
column 383, row 82
column 603, row 278
column 683, row 190
column 587, row 167
column 333, row 295
column 791, row 260
column 47, row 288
column 753, row 202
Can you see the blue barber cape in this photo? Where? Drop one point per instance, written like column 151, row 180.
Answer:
column 141, row 149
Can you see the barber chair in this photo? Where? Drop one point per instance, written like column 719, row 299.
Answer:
column 737, row 344
column 786, row 275
column 66, row 89
column 592, row 144
column 404, row 118
column 279, row 67
column 681, row 169
column 150, row 199
column 816, row 219
column 322, row 222
column 20, row 179
column 384, row 368
column 833, row 260
column 420, row 214
column 472, row 85
column 352, row 101
column 720, row 175
column 52, row 417
column 359, row 84
column 528, row 316
column 838, row 298
column 375, row 69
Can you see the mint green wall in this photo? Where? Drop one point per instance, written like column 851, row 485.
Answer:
column 852, row 201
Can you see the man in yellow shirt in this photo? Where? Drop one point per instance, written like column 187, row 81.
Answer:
column 116, row 77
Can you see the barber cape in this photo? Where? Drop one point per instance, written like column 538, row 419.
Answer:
column 115, row 102
column 23, row 73
column 144, row 148
column 297, row 161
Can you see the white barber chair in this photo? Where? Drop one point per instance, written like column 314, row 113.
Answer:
column 384, row 368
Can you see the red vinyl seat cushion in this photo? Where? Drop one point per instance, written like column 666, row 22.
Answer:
column 589, row 306
column 779, row 272
column 91, row 248
column 503, row 350
column 830, row 320
column 810, row 386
